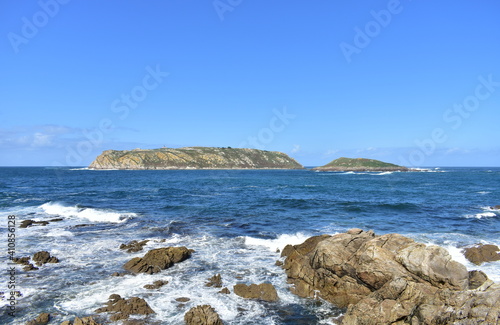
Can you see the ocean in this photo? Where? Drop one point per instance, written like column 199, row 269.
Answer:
column 235, row 220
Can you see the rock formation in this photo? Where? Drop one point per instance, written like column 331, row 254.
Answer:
column 202, row 315
column 44, row 257
column 134, row 246
column 42, row 319
column 194, row 158
column 263, row 291
column 480, row 253
column 157, row 260
column 390, row 279
column 81, row 321
column 122, row 308
column 360, row 165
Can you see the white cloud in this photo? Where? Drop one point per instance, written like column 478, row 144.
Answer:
column 296, row 148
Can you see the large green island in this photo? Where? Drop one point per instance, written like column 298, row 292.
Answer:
column 361, row 165
column 194, row 158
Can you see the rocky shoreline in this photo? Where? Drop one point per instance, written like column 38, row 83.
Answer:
column 388, row 279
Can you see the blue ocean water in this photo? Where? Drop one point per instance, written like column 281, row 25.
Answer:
column 235, row 220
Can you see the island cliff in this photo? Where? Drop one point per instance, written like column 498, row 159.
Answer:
column 194, row 158
column 361, row 165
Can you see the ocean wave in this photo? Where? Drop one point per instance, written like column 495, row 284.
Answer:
column 384, row 173
column 278, row 243
column 94, row 215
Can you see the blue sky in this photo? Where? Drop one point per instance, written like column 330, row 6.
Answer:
column 409, row 82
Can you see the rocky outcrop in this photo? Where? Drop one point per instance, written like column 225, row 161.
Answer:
column 120, row 308
column 42, row 319
column 480, row 253
column 194, row 158
column 202, row 315
column 81, row 321
column 156, row 285
column 390, row 279
column 361, row 165
column 263, row 291
column 157, row 260
column 215, row 281
column 44, row 257
column 30, row 223
column 134, row 246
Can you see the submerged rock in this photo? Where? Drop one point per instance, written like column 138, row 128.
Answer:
column 202, row 315
column 30, row 223
column 263, row 291
column 120, row 308
column 215, row 281
column 390, row 279
column 44, row 257
column 157, row 260
column 480, row 253
column 156, row 285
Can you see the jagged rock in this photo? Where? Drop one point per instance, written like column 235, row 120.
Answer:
column 122, row 308
column 30, row 223
column 44, row 257
column 278, row 263
column 26, row 262
column 480, row 253
column 194, row 158
column 81, row 321
column 156, row 285
column 202, row 315
column 263, row 291
column 42, row 319
column 215, row 281
column 390, row 279
column 225, row 291
column 134, row 246
column 158, row 259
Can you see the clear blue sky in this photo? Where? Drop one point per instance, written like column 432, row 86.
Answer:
column 411, row 82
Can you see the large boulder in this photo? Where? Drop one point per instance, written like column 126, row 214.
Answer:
column 263, row 291
column 390, row 279
column 480, row 253
column 202, row 315
column 157, row 260
column 44, row 257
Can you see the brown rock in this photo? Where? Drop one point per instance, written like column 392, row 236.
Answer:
column 81, row 321
column 390, row 279
column 263, row 291
column 122, row 308
column 30, row 223
column 183, row 299
column 215, row 281
column 225, row 291
column 496, row 207
column 134, row 246
column 42, row 319
column 157, row 259
column 202, row 315
column 156, row 285
column 44, row 257
column 480, row 253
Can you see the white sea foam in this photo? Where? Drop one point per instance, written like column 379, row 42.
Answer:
column 483, row 192
column 94, row 215
column 384, row 173
column 279, row 243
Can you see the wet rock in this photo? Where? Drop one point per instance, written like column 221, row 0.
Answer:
column 44, row 257
column 156, row 285
column 26, row 262
column 30, row 267
column 182, row 299
column 157, row 260
column 263, row 291
column 225, row 291
column 119, row 274
column 202, row 315
column 134, row 246
column 42, row 319
column 496, row 207
column 390, row 279
column 480, row 253
column 278, row 263
column 120, row 308
column 30, row 223
column 56, row 220
column 215, row 281
column 81, row 321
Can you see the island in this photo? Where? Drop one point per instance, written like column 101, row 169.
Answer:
column 361, row 165
column 194, row 158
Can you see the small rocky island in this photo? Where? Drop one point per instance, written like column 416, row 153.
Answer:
column 194, row 158
column 361, row 165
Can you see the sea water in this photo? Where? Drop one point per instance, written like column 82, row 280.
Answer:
column 237, row 221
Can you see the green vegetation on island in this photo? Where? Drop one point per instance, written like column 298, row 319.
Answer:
column 360, row 164
column 194, row 158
